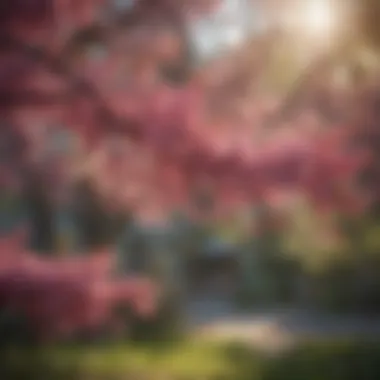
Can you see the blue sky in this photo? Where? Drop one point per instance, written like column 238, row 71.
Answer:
column 218, row 32
column 224, row 29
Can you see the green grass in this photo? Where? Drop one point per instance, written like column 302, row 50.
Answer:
column 199, row 360
column 179, row 361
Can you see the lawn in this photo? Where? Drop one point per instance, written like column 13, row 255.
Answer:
column 194, row 360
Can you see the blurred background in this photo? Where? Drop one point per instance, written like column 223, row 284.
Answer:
column 190, row 189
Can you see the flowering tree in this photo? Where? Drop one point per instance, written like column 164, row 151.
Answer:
column 84, row 93
column 80, row 68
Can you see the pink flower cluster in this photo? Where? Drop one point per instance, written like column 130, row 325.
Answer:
column 62, row 296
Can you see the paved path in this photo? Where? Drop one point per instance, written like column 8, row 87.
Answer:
column 277, row 327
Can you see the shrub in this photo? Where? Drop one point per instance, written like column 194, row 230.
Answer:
column 61, row 297
column 328, row 361
column 166, row 325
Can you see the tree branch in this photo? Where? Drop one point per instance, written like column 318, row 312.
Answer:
column 56, row 65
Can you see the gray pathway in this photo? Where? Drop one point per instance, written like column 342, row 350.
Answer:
column 275, row 327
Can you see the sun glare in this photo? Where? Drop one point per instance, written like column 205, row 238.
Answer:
column 315, row 19
column 233, row 36
column 319, row 18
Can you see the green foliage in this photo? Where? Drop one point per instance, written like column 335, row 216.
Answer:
column 371, row 239
column 96, row 225
column 339, row 360
column 312, row 238
column 11, row 211
column 166, row 326
column 363, row 236
column 40, row 211
column 336, row 288
column 13, row 329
